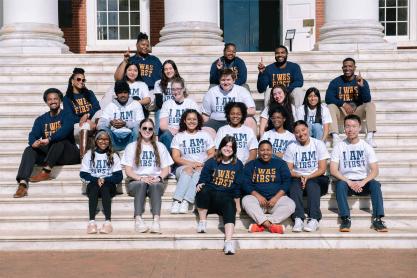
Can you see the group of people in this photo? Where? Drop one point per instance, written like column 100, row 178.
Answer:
column 212, row 149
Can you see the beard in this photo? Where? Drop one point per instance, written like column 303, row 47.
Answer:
column 279, row 64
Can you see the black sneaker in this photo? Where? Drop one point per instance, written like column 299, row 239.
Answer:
column 379, row 225
column 345, row 225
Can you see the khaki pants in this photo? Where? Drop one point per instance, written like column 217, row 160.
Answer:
column 281, row 211
column 366, row 111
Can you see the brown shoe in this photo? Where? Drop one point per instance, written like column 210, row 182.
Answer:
column 21, row 191
column 42, row 176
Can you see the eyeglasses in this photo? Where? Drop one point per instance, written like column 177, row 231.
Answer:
column 176, row 89
column 81, row 79
column 103, row 139
column 147, row 128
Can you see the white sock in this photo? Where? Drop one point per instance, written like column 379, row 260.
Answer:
column 92, row 222
column 107, row 222
column 138, row 217
column 156, row 218
column 370, row 135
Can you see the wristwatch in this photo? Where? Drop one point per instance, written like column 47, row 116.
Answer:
column 160, row 178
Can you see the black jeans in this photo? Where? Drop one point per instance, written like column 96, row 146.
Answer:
column 219, row 202
column 106, row 192
column 58, row 153
column 315, row 188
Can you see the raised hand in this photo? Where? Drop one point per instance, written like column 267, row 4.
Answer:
column 127, row 54
column 359, row 79
column 261, row 66
column 219, row 64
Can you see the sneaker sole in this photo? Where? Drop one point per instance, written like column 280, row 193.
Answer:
column 344, row 230
column 381, row 230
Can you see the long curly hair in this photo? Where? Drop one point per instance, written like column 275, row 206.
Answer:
column 109, row 150
column 183, row 126
column 138, row 150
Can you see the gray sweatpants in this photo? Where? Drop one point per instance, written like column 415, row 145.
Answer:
column 281, row 211
column 140, row 190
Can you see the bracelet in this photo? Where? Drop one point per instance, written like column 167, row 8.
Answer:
column 160, row 178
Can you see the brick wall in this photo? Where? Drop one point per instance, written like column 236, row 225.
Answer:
column 76, row 36
column 319, row 17
column 157, row 19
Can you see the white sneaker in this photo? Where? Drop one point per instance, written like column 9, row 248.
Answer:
column 336, row 139
column 371, row 142
column 140, row 226
column 298, row 225
column 175, row 207
column 312, row 226
column 202, row 226
column 156, row 227
column 229, row 247
column 183, row 207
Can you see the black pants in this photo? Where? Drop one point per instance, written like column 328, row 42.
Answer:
column 315, row 188
column 106, row 192
column 219, row 202
column 58, row 153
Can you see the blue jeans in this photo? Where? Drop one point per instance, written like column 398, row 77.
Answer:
column 373, row 187
column 316, row 130
column 157, row 113
column 120, row 144
column 186, row 185
column 314, row 191
column 165, row 137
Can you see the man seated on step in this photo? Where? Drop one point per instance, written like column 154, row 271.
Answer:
column 349, row 94
column 51, row 142
column 229, row 60
column 354, row 164
column 267, row 180
column 121, row 117
column 281, row 72
column 216, row 98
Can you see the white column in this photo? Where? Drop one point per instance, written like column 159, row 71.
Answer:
column 191, row 24
column 31, row 27
column 352, row 24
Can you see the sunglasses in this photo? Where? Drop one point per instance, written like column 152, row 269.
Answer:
column 147, row 128
column 81, row 79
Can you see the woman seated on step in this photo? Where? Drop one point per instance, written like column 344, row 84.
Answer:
column 101, row 170
column 81, row 104
column 247, row 144
column 191, row 147
column 279, row 97
column 172, row 110
column 147, row 163
column 307, row 161
column 218, row 190
column 315, row 114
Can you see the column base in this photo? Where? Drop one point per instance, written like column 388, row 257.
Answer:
column 353, row 35
column 32, row 38
column 192, row 35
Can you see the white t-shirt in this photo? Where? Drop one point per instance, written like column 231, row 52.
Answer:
column 147, row 162
column 173, row 111
column 279, row 141
column 193, row 147
column 100, row 169
column 245, row 140
column 168, row 94
column 216, row 99
column 354, row 159
column 306, row 158
column 311, row 116
column 264, row 113
column 131, row 113
column 139, row 90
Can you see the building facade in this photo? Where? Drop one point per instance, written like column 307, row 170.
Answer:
column 254, row 25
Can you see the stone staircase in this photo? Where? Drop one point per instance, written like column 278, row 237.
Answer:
column 55, row 214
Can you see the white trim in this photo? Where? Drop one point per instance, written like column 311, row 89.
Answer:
column 113, row 45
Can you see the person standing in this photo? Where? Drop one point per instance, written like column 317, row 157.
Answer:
column 350, row 94
column 355, row 165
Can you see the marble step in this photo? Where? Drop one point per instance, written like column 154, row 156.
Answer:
column 68, row 220
column 124, row 203
column 325, row 238
column 73, row 185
